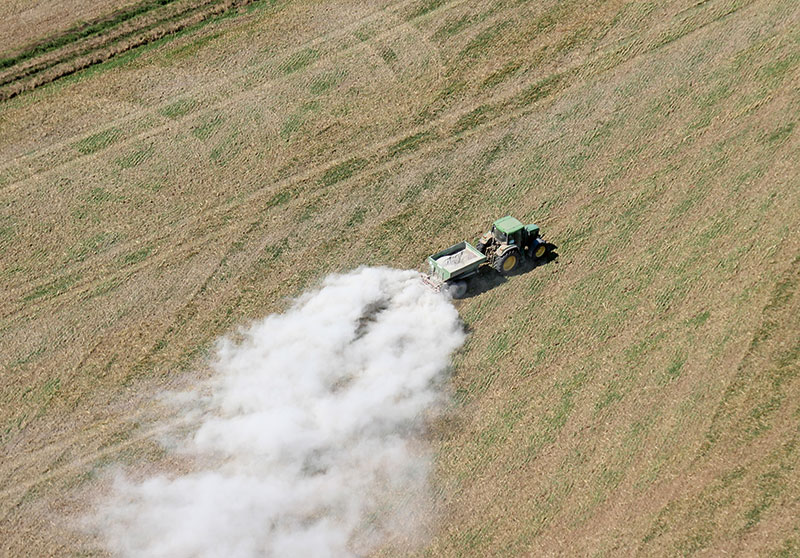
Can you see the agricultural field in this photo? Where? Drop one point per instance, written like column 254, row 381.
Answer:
column 638, row 395
column 24, row 23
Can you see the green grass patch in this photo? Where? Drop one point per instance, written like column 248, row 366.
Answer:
column 698, row 319
column 207, row 126
column 674, row 369
column 770, row 487
column 84, row 212
column 29, row 357
column 574, row 39
column 279, row 198
column 269, row 255
column 483, row 40
column 104, row 288
column 576, row 162
column 98, row 141
column 136, row 257
column 756, row 393
column 324, row 82
column 776, row 71
column 501, row 75
column 357, row 217
column 476, row 387
column 475, row 118
column 611, row 395
column 117, row 61
column 411, row 142
column 7, row 232
column 131, row 55
column 428, row 182
column 695, row 542
column 50, row 388
column 694, row 197
column 92, row 246
column 497, row 346
column 789, row 548
column 292, row 124
column 136, row 157
column 536, row 26
column 388, row 55
column 551, row 423
column 714, row 97
column 453, row 27
column 424, row 7
column 187, row 50
column 295, row 121
column 599, row 134
column 443, row 99
column 178, row 108
column 343, row 171
column 780, row 135
column 574, row 238
column 364, row 33
column 54, row 288
column 226, row 150
column 390, row 236
column 637, row 351
column 298, row 61
column 100, row 195
column 538, row 91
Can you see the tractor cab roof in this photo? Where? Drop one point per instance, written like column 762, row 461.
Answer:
column 507, row 225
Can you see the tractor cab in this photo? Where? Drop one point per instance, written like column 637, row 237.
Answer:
column 508, row 231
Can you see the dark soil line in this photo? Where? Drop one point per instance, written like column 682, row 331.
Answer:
column 55, row 72
column 107, row 40
column 82, row 31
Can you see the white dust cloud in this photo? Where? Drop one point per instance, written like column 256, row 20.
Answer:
column 313, row 429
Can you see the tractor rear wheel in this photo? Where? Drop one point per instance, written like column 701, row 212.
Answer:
column 481, row 247
column 507, row 263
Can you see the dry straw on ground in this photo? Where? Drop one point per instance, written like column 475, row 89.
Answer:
column 637, row 395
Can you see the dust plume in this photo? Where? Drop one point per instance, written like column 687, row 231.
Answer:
column 310, row 435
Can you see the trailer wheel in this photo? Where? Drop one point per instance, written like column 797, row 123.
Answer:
column 507, row 263
column 457, row 289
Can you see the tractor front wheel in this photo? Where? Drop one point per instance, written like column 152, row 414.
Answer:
column 540, row 251
column 507, row 263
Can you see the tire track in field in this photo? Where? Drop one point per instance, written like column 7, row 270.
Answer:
column 9, row 465
column 369, row 170
column 138, row 23
column 445, row 122
column 225, row 100
column 11, row 498
column 221, row 100
column 298, row 178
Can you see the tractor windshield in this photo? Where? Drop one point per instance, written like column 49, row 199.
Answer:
column 498, row 235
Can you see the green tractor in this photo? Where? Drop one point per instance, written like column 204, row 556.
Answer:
column 509, row 242
column 503, row 247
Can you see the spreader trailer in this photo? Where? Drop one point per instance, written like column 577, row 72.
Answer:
column 450, row 268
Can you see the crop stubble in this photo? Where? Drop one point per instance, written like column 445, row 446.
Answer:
column 589, row 387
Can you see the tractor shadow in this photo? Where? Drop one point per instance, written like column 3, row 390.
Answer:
column 487, row 278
